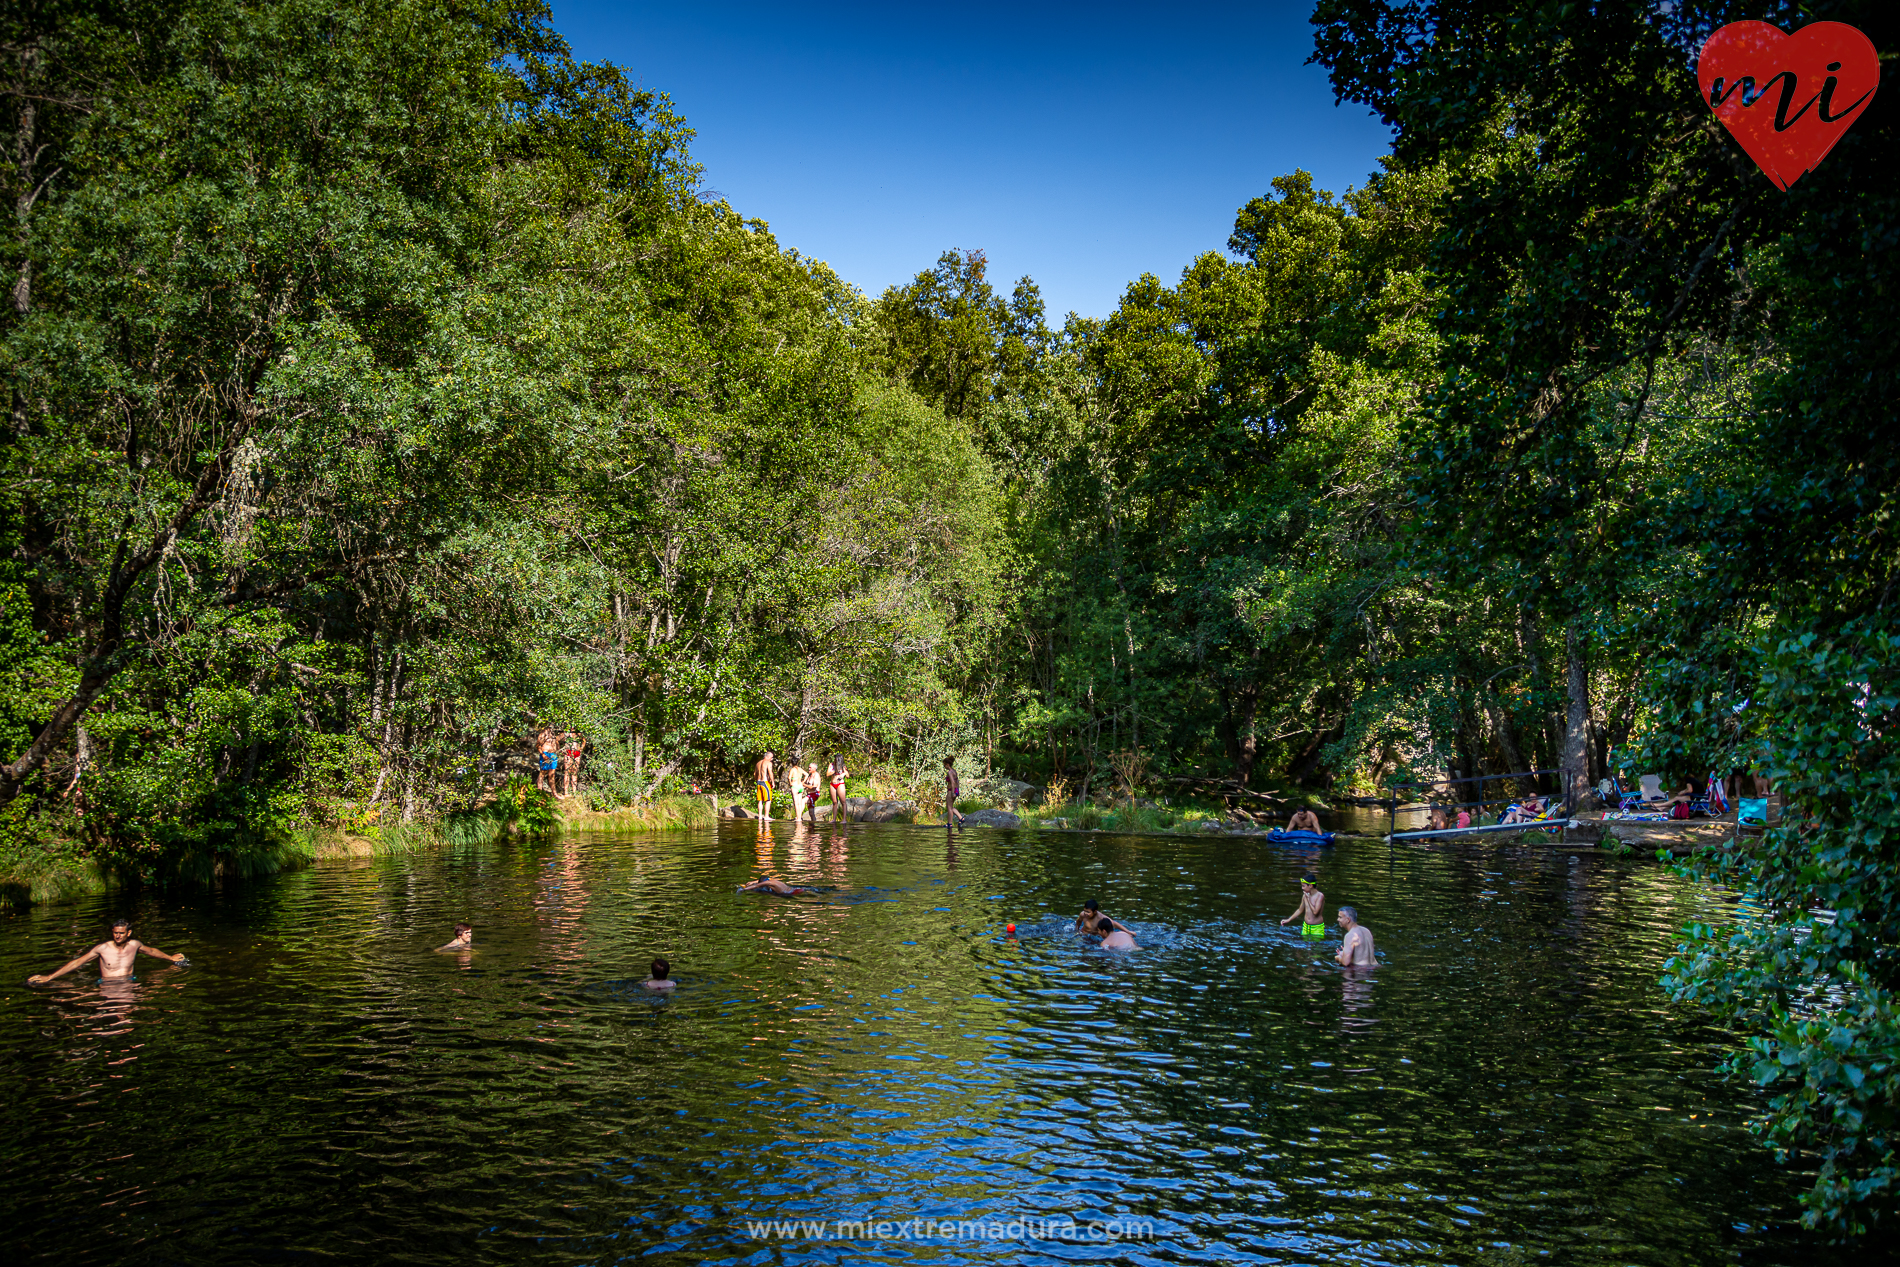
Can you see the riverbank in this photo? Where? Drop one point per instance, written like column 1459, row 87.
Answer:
column 44, row 870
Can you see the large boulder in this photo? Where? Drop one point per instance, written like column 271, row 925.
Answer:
column 1010, row 791
column 862, row 809
column 991, row 818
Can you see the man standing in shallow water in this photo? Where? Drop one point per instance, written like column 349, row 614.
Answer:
column 1356, row 950
column 116, row 957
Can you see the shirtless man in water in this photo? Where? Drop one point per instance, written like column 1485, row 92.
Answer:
column 1113, row 935
column 771, row 884
column 464, row 939
column 1091, row 913
column 763, row 772
column 115, row 957
column 1303, row 820
column 1356, row 950
column 1312, row 908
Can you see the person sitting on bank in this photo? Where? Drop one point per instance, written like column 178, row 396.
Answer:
column 1355, row 950
column 116, row 957
column 1436, row 820
column 464, row 938
column 1526, row 811
column 1304, row 820
column 660, row 980
column 772, row 884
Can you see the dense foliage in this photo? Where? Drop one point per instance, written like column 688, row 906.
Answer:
column 1667, row 401
column 383, row 389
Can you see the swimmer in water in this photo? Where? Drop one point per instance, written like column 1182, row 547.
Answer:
column 660, row 980
column 1091, row 912
column 116, row 957
column 464, row 938
column 1113, row 935
column 771, row 884
column 1304, row 820
column 1311, row 912
column 1356, row 950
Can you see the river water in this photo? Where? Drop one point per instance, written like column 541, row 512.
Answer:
column 320, row 1086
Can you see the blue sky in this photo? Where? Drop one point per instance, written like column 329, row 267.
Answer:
column 1082, row 146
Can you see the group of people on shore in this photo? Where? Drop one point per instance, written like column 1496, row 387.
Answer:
column 808, row 785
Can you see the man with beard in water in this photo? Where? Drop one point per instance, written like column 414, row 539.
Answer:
column 116, row 957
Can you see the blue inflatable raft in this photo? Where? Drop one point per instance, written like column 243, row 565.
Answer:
column 1300, row 837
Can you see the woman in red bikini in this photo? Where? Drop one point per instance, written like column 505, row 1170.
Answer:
column 572, row 745
column 840, row 812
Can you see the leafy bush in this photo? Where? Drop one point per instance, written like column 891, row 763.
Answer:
column 1810, row 969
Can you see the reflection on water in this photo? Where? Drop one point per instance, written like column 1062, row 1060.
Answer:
column 1508, row 1086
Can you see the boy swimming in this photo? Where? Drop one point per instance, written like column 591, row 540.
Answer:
column 771, row 884
column 464, row 938
column 660, row 980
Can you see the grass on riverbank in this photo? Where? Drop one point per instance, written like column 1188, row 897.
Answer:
column 669, row 813
column 34, row 872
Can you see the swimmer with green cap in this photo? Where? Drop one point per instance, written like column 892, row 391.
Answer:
column 1311, row 912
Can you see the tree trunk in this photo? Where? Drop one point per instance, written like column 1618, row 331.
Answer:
column 1576, row 754
column 1505, row 736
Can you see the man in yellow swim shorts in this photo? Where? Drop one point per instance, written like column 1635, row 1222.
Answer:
column 763, row 772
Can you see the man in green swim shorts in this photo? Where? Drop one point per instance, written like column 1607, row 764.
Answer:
column 1311, row 912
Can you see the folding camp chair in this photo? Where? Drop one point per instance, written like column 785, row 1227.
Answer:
column 1614, row 797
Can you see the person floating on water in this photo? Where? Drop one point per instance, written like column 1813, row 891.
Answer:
column 952, row 788
column 1311, row 912
column 771, row 884
column 659, row 980
column 1356, row 950
column 464, row 938
column 1304, row 820
column 763, row 771
column 1113, row 935
column 116, row 957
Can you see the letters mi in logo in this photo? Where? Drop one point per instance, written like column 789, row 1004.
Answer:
column 1788, row 98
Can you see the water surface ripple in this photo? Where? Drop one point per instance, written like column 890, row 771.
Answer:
column 1509, row 1087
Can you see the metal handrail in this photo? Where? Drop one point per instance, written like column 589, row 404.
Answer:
column 1392, row 804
